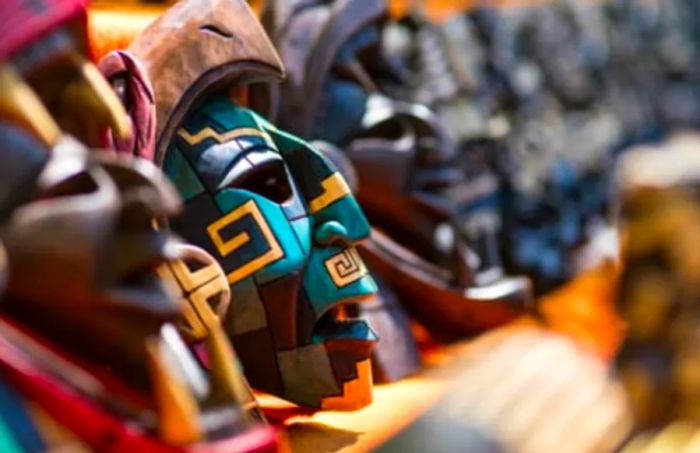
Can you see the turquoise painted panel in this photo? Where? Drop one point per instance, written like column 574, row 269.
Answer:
column 284, row 234
column 302, row 228
column 181, row 174
column 348, row 213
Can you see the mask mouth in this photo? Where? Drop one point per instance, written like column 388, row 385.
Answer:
column 142, row 285
column 487, row 285
column 348, row 341
column 342, row 323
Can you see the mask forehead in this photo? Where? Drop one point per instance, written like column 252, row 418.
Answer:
column 331, row 27
column 219, row 141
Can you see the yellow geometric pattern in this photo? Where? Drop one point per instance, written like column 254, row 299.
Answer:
column 201, row 286
column 227, row 247
column 334, row 188
column 208, row 132
column 203, row 292
column 346, row 267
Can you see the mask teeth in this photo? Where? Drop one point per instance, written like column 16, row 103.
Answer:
column 227, row 383
column 19, row 103
column 178, row 412
column 95, row 92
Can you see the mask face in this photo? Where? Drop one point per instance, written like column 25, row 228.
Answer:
column 282, row 223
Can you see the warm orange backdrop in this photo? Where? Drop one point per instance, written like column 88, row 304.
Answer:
column 114, row 23
column 442, row 9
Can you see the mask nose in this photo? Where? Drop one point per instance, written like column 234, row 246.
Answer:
column 333, row 233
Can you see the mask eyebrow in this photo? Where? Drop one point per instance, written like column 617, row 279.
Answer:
column 216, row 30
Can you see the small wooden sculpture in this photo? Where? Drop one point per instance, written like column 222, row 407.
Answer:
column 274, row 212
column 82, row 259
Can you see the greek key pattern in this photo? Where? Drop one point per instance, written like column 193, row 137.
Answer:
column 346, row 267
column 226, row 247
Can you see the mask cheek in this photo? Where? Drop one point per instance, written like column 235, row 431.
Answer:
column 273, row 246
column 334, row 275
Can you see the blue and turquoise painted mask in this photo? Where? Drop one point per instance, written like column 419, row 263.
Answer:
column 283, row 225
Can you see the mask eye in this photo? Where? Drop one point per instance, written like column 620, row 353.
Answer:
column 268, row 179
